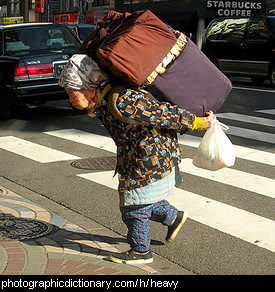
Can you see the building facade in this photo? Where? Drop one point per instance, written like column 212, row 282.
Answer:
column 189, row 16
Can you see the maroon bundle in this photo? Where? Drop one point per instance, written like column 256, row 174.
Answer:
column 130, row 45
column 192, row 82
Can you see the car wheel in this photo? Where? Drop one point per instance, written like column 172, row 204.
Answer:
column 272, row 76
column 5, row 113
column 257, row 80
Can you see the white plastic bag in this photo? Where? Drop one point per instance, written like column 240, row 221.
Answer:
column 215, row 150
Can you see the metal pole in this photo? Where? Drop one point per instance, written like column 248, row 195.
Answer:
column 48, row 11
column 200, row 30
column 80, row 14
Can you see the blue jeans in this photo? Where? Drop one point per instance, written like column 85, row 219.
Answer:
column 137, row 221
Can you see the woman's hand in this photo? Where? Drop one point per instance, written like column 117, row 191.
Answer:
column 208, row 120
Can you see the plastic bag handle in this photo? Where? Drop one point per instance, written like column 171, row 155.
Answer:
column 223, row 126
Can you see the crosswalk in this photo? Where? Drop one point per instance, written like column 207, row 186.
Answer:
column 227, row 175
column 245, row 225
column 207, row 211
column 33, row 151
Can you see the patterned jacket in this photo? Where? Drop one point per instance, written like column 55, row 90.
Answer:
column 147, row 148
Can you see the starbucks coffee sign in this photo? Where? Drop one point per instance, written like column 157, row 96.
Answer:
column 221, row 8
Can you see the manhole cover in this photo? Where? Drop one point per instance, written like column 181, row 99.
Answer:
column 98, row 163
column 13, row 228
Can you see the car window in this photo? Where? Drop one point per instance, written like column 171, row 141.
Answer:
column 30, row 41
column 84, row 32
column 258, row 31
column 227, row 29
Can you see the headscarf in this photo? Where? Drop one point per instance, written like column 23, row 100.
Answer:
column 82, row 72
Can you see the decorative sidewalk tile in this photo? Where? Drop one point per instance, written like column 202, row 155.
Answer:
column 36, row 241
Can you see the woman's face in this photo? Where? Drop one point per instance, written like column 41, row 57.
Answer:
column 82, row 99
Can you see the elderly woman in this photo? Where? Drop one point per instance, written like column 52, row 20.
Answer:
column 145, row 133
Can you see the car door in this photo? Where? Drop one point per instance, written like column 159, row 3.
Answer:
column 223, row 43
column 257, row 48
column 230, row 60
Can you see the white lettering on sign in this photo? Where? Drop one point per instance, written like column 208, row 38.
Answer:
column 233, row 4
column 234, row 8
column 233, row 12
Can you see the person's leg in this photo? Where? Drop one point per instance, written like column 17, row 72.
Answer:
column 164, row 212
column 137, row 222
column 168, row 215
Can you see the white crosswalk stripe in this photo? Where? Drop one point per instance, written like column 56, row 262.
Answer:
column 247, row 119
column 249, row 133
column 207, row 211
column 94, row 140
column 32, row 150
column 252, row 134
column 228, row 176
column 106, row 143
column 243, row 180
column 242, row 224
column 269, row 111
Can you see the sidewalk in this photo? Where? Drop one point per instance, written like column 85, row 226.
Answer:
column 41, row 237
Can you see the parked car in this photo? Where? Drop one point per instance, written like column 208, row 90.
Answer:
column 242, row 47
column 32, row 55
column 82, row 30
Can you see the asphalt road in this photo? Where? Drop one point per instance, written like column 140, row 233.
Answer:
column 230, row 229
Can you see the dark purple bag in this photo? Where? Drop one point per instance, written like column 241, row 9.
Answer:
column 192, row 82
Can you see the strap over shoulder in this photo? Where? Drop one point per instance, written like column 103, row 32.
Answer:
column 112, row 105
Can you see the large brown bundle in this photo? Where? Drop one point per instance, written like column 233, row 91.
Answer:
column 130, row 45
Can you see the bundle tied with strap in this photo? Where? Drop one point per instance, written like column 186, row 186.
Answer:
column 131, row 46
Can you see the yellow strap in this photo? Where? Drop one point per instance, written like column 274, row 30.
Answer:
column 103, row 93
